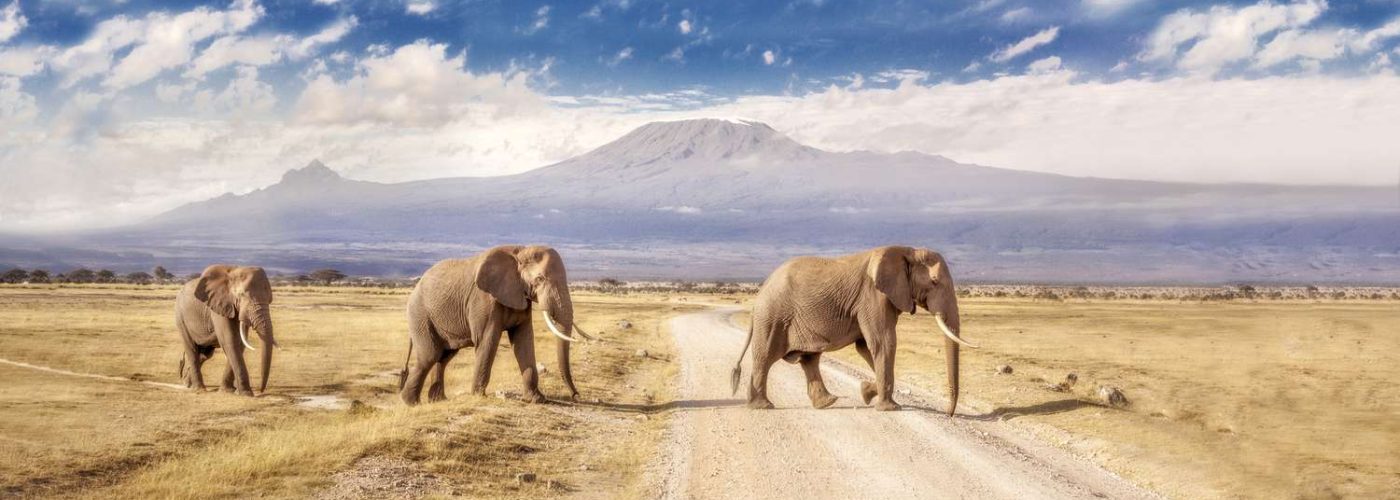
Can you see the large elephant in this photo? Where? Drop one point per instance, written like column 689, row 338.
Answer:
column 216, row 310
column 812, row 305
column 469, row 302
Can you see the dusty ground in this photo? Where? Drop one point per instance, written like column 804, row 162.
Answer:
column 719, row 450
column 103, row 434
column 1229, row 400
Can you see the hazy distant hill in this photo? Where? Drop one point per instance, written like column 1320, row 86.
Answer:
column 722, row 198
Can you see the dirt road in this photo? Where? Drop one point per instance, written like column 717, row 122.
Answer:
column 719, row 449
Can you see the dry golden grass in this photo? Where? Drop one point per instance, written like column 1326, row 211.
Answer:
column 1228, row 400
column 62, row 435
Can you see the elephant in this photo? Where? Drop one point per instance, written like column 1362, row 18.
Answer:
column 812, row 305
column 469, row 302
column 216, row 310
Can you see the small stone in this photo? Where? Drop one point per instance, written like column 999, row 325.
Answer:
column 1112, row 396
column 624, row 324
column 642, row 353
column 1004, row 369
column 553, row 485
column 525, row 477
column 584, row 467
column 541, row 369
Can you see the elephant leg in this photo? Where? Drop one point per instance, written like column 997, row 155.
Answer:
column 227, row 385
column 437, row 390
column 522, row 342
column 766, row 351
column 227, row 333
column 884, row 376
column 424, row 350
column 879, row 336
column 816, row 389
column 189, row 360
column 196, row 367
column 486, row 356
column 867, row 389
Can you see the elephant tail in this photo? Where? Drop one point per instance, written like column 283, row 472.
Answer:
column 739, row 365
column 403, row 374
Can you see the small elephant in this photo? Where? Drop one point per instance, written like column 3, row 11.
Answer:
column 469, row 302
column 216, row 310
column 812, row 305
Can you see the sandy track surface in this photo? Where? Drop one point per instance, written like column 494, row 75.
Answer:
column 717, row 448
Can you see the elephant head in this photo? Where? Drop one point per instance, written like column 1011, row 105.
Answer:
column 520, row 275
column 913, row 277
column 243, row 294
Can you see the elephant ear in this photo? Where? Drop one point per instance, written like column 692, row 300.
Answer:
column 215, row 290
column 889, row 269
column 498, row 273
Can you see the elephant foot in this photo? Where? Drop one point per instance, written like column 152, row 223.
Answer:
column 886, row 404
column 410, row 400
column 245, row 392
column 760, row 404
column 823, row 400
column 534, row 397
column 437, row 394
column 867, row 392
column 227, row 388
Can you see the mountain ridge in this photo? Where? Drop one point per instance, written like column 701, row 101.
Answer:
column 731, row 198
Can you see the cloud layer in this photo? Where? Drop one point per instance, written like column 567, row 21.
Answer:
column 149, row 111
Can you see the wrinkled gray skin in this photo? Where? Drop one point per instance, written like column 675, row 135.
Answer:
column 208, row 312
column 462, row 303
column 812, row 305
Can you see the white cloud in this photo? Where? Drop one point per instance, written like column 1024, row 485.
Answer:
column 1298, row 44
column 416, row 85
column 325, row 2
column 1107, row 8
column 16, row 107
column 972, row 67
column 1223, row 35
column 94, row 56
column 1026, row 45
column 622, row 55
column 1045, row 65
column 233, row 49
column 168, row 41
column 1272, row 129
column 540, row 23
column 12, row 21
column 769, row 57
column 265, row 50
column 420, row 7
column 684, row 26
column 245, row 95
column 1019, row 14
column 24, row 61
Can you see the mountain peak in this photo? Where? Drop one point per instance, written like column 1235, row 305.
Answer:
column 709, row 139
column 314, row 173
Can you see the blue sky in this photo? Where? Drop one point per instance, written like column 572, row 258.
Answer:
column 722, row 44
column 115, row 110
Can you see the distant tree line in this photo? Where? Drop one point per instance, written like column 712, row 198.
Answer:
column 158, row 275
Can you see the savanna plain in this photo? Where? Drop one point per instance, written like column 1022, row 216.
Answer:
column 1290, row 398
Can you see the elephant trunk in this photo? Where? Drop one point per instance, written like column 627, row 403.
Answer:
column 562, row 311
column 262, row 322
column 950, row 324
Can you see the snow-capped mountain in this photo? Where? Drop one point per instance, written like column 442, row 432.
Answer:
column 732, row 198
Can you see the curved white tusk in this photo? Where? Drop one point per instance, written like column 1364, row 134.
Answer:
column 583, row 333
column 549, row 322
column 243, row 335
column 938, row 317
